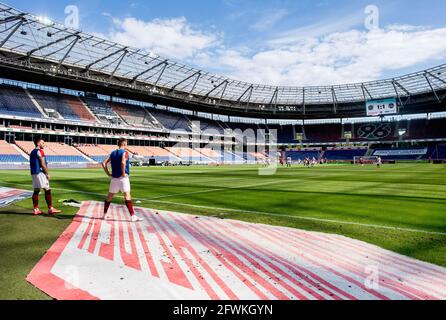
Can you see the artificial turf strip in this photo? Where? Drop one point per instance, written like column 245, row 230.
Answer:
column 411, row 196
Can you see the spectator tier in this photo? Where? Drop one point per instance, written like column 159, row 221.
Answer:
column 16, row 102
column 8, row 154
column 55, row 152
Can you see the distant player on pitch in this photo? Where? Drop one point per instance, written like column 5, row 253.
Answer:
column 379, row 162
column 41, row 177
column 120, row 179
column 289, row 162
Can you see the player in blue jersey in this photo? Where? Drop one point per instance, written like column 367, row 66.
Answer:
column 41, row 177
column 120, row 178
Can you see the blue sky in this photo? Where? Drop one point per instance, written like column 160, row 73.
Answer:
column 276, row 42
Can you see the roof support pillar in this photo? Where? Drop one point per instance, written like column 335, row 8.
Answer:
column 135, row 78
column 432, row 88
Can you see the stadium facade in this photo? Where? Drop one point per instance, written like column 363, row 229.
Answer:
column 81, row 93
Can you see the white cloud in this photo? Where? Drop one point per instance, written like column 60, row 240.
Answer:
column 307, row 56
column 269, row 20
column 343, row 57
column 318, row 29
column 173, row 38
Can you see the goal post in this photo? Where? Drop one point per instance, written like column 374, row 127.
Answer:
column 365, row 160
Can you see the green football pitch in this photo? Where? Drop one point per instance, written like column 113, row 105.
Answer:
column 398, row 207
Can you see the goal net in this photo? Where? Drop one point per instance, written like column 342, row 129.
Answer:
column 365, row 160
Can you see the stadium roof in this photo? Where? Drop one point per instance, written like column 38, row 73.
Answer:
column 30, row 39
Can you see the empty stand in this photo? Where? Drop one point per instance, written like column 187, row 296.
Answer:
column 55, row 152
column 401, row 153
column 172, row 121
column 189, row 155
column 208, row 125
column 108, row 148
column 439, row 152
column 96, row 152
column 285, row 134
column 80, row 109
column 344, row 154
column 259, row 156
column 323, row 133
column 100, row 152
column 8, row 154
column 157, row 153
column 248, row 157
column 16, row 102
column 161, row 154
column 140, row 151
column 222, row 156
column 209, row 153
column 50, row 101
column 135, row 115
column 301, row 155
column 230, row 157
column 431, row 129
column 103, row 111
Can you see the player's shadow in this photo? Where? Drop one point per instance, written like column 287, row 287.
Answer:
column 87, row 218
column 4, row 213
column 58, row 217
column 18, row 211
column 46, row 216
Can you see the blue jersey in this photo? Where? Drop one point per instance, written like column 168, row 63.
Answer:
column 34, row 161
column 116, row 163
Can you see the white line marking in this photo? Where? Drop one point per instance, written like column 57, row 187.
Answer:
column 218, row 189
column 301, row 217
column 259, row 212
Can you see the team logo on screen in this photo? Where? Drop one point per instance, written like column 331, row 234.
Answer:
column 375, row 131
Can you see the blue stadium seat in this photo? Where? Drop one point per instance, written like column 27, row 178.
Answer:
column 230, row 158
column 103, row 111
column 344, row 155
column 8, row 158
column 57, row 103
column 301, row 155
column 401, row 157
column 171, row 121
column 441, row 152
column 245, row 156
column 99, row 158
column 66, row 159
column 15, row 102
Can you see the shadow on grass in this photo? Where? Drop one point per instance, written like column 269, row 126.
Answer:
column 14, row 210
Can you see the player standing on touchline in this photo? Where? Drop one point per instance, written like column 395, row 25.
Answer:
column 120, row 179
column 40, row 176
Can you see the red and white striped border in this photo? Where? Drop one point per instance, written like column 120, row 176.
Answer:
column 176, row 256
column 41, row 275
column 8, row 196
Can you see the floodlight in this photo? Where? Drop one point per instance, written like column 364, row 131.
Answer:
column 45, row 20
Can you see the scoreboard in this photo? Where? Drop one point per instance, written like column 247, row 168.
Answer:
column 381, row 107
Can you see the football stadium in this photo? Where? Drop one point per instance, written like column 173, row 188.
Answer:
column 240, row 190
